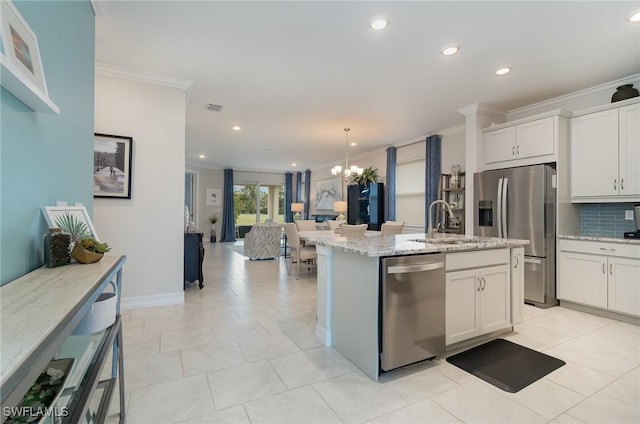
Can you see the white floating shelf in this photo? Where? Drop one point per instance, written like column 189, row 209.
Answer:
column 27, row 92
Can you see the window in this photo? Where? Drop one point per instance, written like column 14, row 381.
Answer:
column 254, row 202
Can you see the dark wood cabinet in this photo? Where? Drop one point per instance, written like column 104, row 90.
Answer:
column 365, row 205
column 193, row 258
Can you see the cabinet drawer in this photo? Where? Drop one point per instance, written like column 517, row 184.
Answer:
column 625, row 250
column 476, row 259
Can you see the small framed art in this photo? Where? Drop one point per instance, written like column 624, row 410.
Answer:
column 112, row 157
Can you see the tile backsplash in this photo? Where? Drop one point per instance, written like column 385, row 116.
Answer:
column 605, row 219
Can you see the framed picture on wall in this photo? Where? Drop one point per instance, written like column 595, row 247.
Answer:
column 20, row 47
column 328, row 191
column 112, row 155
column 214, row 197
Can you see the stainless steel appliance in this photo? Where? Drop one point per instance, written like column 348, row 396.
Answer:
column 413, row 314
column 634, row 234
column 521, row 203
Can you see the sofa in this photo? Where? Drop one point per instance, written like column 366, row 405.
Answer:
column 263, row 241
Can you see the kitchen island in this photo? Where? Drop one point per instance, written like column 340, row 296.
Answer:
column 349, row 288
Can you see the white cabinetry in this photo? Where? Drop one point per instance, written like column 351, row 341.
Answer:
column 598, row 274
column 517, row 285
column 477, row 298
column 526, row 141
column 605, row 152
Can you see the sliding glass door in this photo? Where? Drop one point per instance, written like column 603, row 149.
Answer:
column 254, row 202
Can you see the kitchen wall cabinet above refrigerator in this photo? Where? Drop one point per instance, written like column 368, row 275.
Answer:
column 529, row 141
column 605, row 153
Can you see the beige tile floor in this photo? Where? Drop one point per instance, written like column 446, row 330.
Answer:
column 242, row 350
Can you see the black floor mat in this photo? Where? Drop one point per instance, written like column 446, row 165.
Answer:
column 506, row 365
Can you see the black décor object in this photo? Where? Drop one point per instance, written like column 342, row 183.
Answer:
column 624, row 92
column 193, row 258
column 365, row 205
column 505, row 364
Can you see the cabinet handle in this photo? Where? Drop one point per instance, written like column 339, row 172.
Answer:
column 484, row 283
column 607, row 250
column 615, row 187
column 621, row 183
column 517, row 258
column 611, row 269
column 479, row 284
column 513, row 150
column 518, row 149
column 604, row 268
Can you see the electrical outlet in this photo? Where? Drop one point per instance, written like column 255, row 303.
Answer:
column 628, row 215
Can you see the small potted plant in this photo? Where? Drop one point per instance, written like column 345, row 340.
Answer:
column 89, row 250
column 213, row 219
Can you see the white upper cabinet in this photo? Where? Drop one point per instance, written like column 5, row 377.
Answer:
column 526, row 141
column 605, row 155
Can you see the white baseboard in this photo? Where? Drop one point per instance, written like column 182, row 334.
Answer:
column 324, row 335
column 152, row 300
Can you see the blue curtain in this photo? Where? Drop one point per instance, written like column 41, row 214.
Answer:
column 298, row 187
column 288, row 195
column 390, row 197
column 228, row 216
column 307, row 193
column 433, row 168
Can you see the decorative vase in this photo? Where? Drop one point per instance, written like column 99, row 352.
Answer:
column 213, row 233
column 85, row 256
column 624, row 92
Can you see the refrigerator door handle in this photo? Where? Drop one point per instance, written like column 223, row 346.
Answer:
column 503, row 222
column 499, row 208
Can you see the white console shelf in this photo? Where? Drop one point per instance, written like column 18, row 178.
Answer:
column 39, row 312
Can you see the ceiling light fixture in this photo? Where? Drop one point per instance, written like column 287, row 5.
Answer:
column 348, row 171
column 201, row 156
column 503, row 71
column 235, row 128
column 635, row 17
column 294, row 164
column 379, row 23
column 450, row 50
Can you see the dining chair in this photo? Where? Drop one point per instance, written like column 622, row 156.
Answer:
column 353, row 230
column 391, row 228
column 333, row 224
column 299, row 253
column 306, row 224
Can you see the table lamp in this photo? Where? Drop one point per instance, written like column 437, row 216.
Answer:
column 340, row 206
column 297, row 208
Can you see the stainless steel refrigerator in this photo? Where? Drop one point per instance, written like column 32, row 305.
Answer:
column 521, row 203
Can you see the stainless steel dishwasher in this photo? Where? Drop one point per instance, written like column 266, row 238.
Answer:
column 413, row 309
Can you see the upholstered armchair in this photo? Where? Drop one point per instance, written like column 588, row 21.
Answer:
column 263, row 241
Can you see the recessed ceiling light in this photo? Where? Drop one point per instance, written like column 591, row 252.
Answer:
column 201, row 156
column 450, row 50
column 635, row 17
column 353, row 143
column 379, row 23
column 503, row 71
column 293, row 164
column 235, row 128
column 269, row 150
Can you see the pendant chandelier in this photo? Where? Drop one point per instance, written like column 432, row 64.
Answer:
column 348, row 171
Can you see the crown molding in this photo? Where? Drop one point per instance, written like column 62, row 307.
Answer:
column 561, row 101
column 144, row 76
column 483, row 109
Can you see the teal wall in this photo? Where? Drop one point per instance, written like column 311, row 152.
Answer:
column 47, row 157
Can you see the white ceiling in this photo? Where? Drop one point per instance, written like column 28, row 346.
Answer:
column 294, row 74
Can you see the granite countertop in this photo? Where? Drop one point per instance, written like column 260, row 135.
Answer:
column 375, row 245
column 602, row 239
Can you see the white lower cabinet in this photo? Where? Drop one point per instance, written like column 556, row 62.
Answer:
column 602, row 275
column 477, row 302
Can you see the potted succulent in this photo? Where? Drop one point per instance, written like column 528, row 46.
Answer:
column 213, row 219
column 89, row 250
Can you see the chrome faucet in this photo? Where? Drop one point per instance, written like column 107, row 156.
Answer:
column 431, row 230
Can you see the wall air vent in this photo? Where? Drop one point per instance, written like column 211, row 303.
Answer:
column 214, row 107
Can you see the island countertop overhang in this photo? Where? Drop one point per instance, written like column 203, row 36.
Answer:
column 374, row 245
